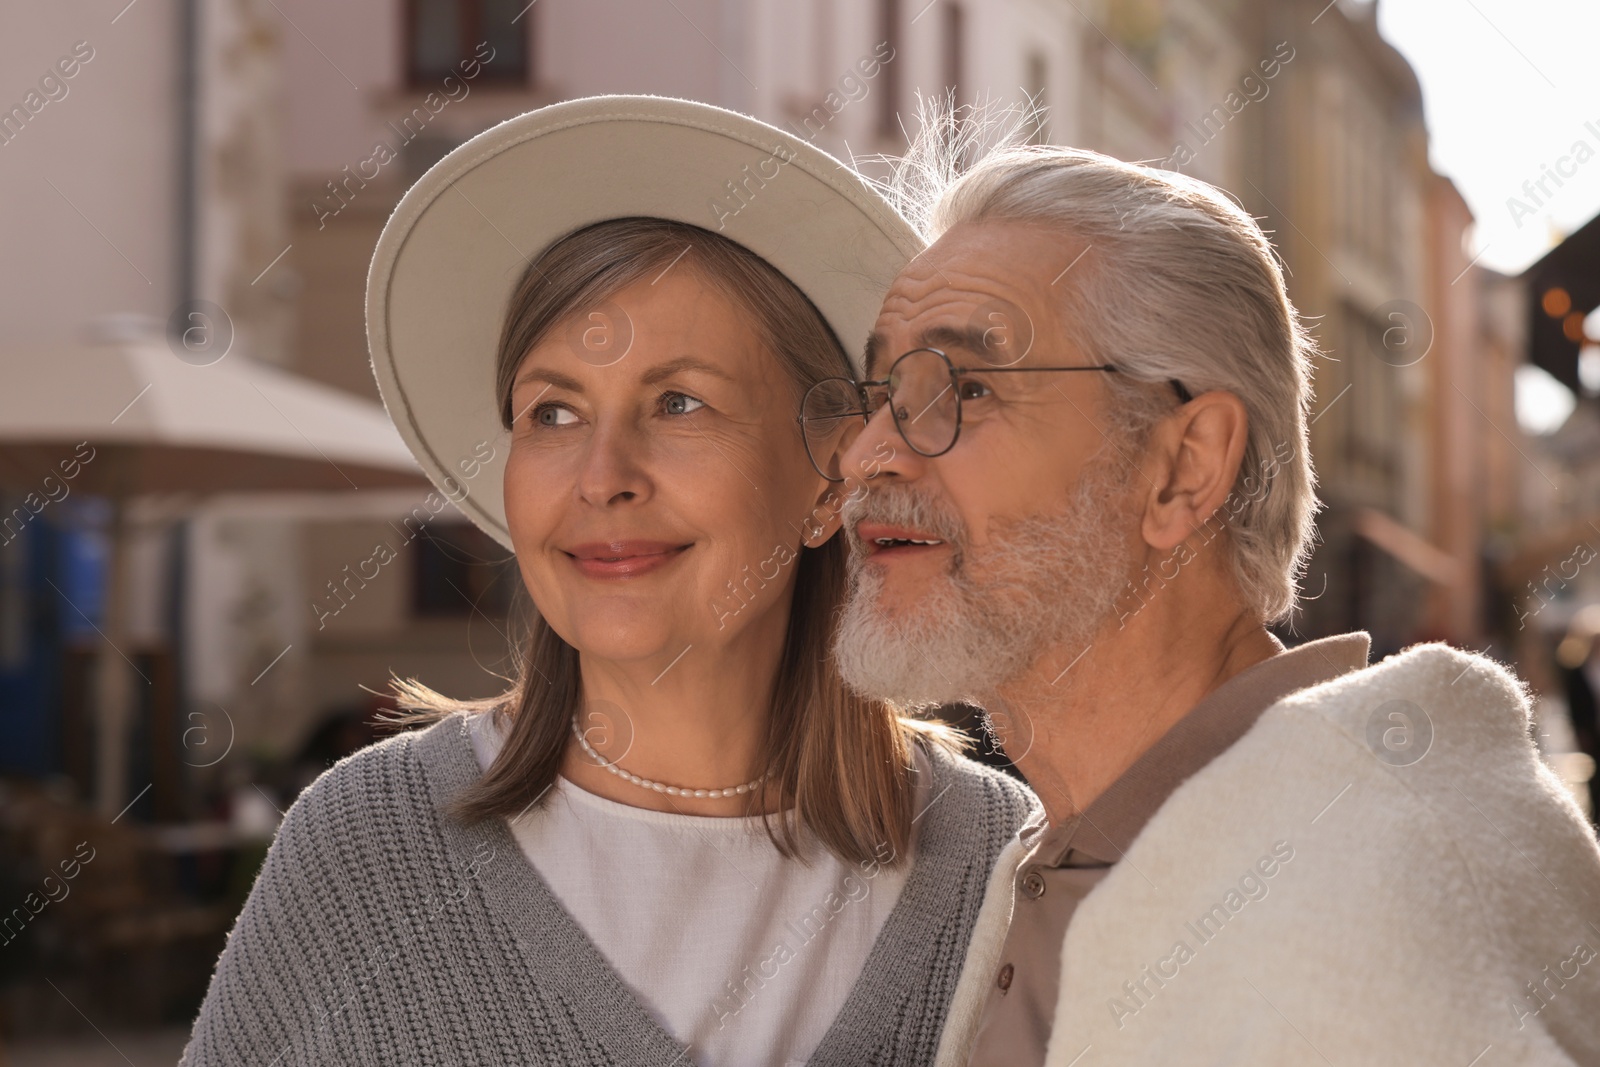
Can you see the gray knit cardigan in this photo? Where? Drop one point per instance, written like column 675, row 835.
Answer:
column 381, row 932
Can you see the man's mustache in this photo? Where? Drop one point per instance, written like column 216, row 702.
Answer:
column 901, row 505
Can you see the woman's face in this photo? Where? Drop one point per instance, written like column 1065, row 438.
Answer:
column 654, row 460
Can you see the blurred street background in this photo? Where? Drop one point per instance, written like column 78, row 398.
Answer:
column 203, row 589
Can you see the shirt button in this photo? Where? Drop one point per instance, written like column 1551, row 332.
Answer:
column 1004, row 980
column 1033, row 884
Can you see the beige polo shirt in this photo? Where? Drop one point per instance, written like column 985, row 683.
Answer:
column 1068, row 860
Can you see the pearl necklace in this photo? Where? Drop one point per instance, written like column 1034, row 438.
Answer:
column 669, row 790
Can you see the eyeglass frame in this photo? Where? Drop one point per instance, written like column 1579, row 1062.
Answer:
column 1183, row 394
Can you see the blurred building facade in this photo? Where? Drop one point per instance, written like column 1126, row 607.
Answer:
column 257, row 170
column 1299, row 110
column 263, row 171
column 1553, row 576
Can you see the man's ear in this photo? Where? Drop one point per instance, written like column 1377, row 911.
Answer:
column 1194, row 463
column 824, row 519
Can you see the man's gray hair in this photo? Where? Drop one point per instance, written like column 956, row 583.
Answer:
column 1177, row 282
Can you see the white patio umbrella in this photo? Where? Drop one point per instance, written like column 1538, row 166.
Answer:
column 158, row 424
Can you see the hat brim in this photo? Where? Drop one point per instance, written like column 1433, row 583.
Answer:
column 457, row 243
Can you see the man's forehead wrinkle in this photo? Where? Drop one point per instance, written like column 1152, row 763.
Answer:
column 915, row 280
column 961, row 274
column 1012, row 283
column 901, row 310
column 945, row 291
column 951, row 285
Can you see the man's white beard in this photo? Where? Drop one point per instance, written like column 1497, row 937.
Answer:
column 1045, row 581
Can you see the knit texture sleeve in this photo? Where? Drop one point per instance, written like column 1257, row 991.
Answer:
column 368, row 938
column 897, row 1013
column 381, row 932
column 301, row 965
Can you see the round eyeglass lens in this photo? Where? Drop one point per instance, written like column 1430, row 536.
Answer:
column 830, row 418
column 922, row 396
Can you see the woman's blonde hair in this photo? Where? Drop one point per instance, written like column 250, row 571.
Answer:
column 839, row 765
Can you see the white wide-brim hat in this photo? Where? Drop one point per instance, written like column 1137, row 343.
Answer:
column 460, row 239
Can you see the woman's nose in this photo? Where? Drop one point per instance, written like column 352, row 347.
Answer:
column 612, row 470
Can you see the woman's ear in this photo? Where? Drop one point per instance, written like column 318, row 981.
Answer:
column 825, row 518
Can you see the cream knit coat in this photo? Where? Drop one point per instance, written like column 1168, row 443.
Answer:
column 1319, row 895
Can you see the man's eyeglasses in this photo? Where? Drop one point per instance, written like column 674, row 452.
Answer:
column 924, row 391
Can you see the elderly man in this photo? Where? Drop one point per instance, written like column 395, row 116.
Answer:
column 1099, row 498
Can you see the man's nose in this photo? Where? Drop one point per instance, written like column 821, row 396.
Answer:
column 880, row 451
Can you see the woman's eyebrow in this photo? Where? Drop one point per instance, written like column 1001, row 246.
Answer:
column 652, row 376
column 672, row 366
column 555, row 378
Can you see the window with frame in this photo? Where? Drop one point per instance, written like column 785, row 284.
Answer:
column 459, row 569
column 442, row 35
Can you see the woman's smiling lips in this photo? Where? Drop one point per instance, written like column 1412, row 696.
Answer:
column 622, row 559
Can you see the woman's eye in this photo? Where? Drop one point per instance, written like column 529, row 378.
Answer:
column 680, row 404
column 553, row 415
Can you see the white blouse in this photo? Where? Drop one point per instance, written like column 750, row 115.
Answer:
column 743, row 955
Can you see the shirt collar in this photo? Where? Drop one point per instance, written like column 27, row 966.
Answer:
column 1099, row 835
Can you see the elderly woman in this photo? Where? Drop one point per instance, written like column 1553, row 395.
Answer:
column 677, row 838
